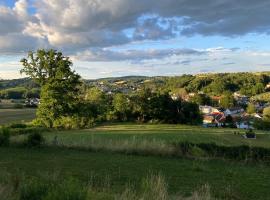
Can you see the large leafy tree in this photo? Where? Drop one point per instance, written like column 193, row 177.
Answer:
column 227, row 100
column 121, row 106
column 59, row 84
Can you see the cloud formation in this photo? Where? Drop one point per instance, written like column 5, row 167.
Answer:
column 103, row 55
column 100, row 31
column 82, row 24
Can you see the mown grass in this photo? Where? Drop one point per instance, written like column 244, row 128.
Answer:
column 160, row 134
column 232, row 180
column 8, row 116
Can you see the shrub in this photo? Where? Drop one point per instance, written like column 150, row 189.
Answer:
column 4, row 136
column 73, row 122
column 17, row 125
column 250, row 134
column 35, row 139
column 242, row 152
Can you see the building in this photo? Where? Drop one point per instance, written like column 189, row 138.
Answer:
column 33, row 102
column 209, row 109
column 236, row 111
column 214, row 120
column 241, row 99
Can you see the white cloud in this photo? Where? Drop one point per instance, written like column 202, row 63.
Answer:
column 98, row 55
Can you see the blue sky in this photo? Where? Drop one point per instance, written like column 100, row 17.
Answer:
column 134, row 37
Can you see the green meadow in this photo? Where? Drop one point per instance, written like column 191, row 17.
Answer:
column 108, row 154
column 12, row 115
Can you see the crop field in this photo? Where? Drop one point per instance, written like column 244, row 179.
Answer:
column 8, row 116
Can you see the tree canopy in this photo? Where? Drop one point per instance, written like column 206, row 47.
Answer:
column 59, row 84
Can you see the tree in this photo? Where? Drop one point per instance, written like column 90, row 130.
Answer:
column 266, row 114
column 251, row 108
column 263, row 124
column 98, row 100
column 59, row 84
column 121, row 106
column 227, row 100
column 201, row 99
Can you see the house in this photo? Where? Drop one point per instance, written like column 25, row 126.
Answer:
column 241, row 99
column 209, row 109
column 174, row 97
column 32, row 102
column 244, row 125
column 236, row 111
column 244, row 122
column 214, row 120
column 258, row 116
column 267, row 87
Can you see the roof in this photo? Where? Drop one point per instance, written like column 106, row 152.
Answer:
column 235, row 109
column 217, row 117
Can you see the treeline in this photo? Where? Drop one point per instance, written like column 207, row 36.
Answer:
column 23, row 82
column 95, row 106
column 66, row 102
column 249, row 84
column 144, row 106
column 19, row 93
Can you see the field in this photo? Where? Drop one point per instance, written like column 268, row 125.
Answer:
column 16, row 115
column 159, row 134
column 226, row 179
column 104, row 152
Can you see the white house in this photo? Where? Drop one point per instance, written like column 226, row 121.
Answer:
column 209, row 109
column 234, row 111
column 244, row 125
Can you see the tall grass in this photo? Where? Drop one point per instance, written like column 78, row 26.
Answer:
column 127, row 146
column 155, row 147
column 51, row 187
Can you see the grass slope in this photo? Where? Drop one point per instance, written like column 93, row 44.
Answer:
column 226, row 179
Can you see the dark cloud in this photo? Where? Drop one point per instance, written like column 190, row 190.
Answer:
column 74, row 25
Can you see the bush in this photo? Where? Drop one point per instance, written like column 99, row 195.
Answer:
column 35, row 139
column 4, row 136
column 242, row 152
column 73, row 122
column 17, row 125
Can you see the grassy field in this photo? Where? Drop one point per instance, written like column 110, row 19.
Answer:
column 227, row 179
column 159, row 134
column 16, row 115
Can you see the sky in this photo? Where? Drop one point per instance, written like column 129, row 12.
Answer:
column 138, row 37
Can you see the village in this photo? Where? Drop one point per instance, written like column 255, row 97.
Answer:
column 234, row 117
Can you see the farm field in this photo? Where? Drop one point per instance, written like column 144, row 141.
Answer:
column 8, row 116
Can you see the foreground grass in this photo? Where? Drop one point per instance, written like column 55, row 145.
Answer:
column 227, row 180
column 8, row 116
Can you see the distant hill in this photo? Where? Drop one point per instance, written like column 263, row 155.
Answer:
column 246, row 83
column 23, row 82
